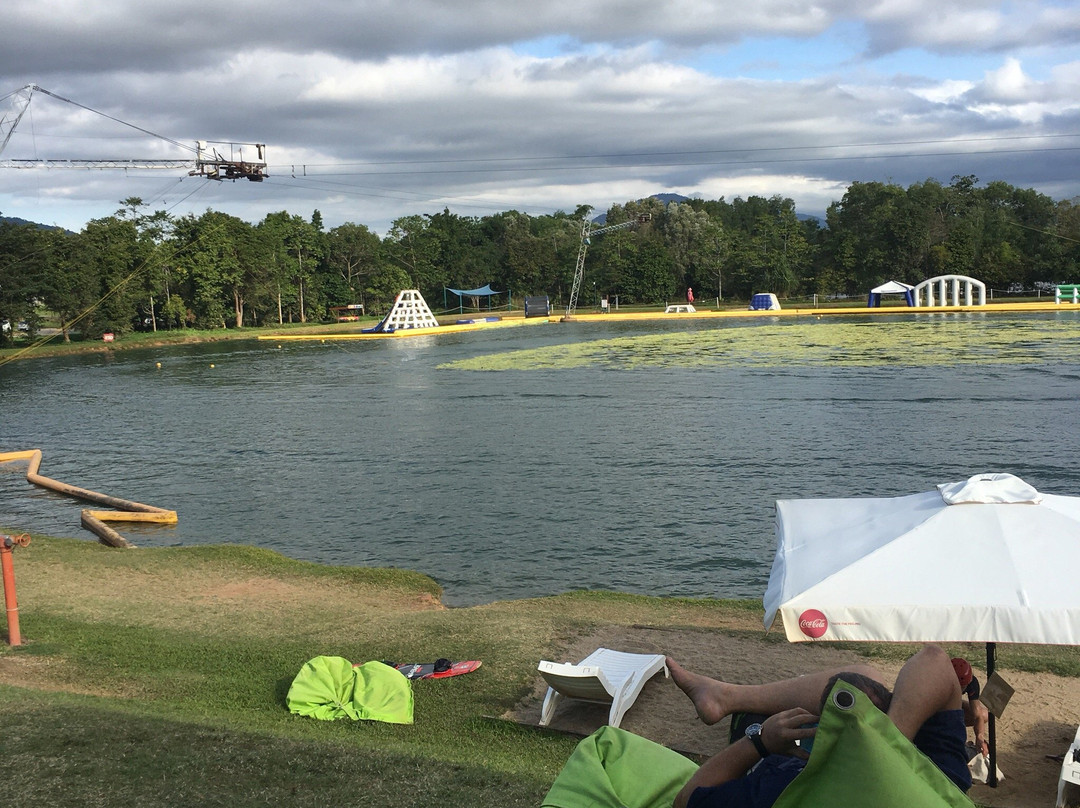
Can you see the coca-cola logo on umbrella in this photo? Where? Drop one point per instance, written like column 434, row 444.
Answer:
column 813, row 623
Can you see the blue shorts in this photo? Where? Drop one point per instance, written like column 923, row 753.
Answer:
column 759, row 789
column 942, row 739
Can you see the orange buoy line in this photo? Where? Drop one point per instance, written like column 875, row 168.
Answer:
column 93, row 520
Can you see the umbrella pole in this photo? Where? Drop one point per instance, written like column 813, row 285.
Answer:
column 991, row 741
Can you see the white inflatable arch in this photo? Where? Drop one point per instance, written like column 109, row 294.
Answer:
column 952, row 283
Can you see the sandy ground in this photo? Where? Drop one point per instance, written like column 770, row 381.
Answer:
column 1038, row 724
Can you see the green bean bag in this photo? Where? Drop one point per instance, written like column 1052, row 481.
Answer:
column 860, row 758
column 330, row 687
column 613, row 768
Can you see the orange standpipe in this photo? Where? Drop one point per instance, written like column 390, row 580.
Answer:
column 127, row 511
column 7, row 544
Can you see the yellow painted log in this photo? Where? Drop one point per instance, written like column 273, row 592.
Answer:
column 159, row 517
column 126, row 510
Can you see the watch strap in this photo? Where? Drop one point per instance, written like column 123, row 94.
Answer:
column 759, row 745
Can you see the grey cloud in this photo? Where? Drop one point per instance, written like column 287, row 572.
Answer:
column 548, row 133
column 44, row 36
column 981, row 26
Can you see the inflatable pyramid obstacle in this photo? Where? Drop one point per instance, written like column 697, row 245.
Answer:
column 410, row 311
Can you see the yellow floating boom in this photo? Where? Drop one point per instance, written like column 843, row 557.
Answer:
column 93, row 520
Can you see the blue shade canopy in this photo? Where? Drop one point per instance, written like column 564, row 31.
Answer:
column 483, row 291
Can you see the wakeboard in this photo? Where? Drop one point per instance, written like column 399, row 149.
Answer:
column 439, row 669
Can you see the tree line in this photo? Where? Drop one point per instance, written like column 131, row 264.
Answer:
column 141, row 269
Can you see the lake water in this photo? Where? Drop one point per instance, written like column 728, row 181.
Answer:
column 518, row 462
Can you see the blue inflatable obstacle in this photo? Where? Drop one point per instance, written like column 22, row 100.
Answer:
column 379, row 328
column 764, row 301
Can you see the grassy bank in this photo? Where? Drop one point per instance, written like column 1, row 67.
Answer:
column 157, row 677
column 53, row 345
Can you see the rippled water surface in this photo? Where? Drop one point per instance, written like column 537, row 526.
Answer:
column 641, row 457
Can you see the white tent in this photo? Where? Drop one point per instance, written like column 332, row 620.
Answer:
column 891, row 288
column 989, row 559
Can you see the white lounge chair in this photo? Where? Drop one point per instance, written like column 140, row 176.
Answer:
column 1070, row 774
column 604, row 676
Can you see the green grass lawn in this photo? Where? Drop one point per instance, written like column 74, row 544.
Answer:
column 157, row 677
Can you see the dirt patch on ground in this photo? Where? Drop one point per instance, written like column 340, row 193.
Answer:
column 257, row 593
column 48, row 674
column 204, row 598
column 1040, row 721
column 251, row 590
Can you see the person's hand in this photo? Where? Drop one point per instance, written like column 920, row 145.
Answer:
column 982, row 745
column 780, row 731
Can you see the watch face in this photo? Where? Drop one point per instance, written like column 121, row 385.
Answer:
column 753, row 729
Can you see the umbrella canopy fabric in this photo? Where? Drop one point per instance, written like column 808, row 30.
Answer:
column 989, row 559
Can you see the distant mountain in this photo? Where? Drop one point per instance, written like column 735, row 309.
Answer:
column 667, row 199
column 17, row 221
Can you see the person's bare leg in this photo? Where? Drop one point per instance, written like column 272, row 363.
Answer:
column 927, row 684
column 713, row 699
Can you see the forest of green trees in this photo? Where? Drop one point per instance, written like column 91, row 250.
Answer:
column 141, row 269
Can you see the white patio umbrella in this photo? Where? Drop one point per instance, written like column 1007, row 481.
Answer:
column 989, row 559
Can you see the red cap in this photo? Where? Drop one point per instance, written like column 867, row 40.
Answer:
column 963, row 671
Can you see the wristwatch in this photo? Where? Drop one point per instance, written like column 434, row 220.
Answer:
column 753, row 732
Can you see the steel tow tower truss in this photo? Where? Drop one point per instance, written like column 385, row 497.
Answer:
column 587, row 232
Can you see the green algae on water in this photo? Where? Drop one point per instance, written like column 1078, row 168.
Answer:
column 926, row 342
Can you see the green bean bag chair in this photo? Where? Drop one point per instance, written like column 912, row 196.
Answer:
column 613, row 768
column 860, row 758
column 330, row 687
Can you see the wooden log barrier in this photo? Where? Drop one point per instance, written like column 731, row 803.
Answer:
column 93, row 520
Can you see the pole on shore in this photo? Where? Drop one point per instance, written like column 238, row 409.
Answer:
column 7, row 544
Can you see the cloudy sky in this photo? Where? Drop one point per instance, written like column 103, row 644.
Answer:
column 375, row 109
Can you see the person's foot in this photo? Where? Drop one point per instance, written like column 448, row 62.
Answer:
column 704, row 692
